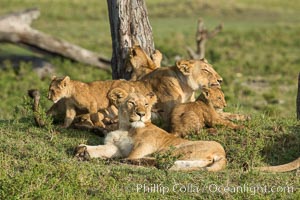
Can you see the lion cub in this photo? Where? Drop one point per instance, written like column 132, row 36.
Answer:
column 194, row 116
column 139, row 64
column 217, row 98
column 75, row 96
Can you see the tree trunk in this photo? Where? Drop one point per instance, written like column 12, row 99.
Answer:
column 129, row 25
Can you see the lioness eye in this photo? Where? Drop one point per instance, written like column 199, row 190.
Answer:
column 205, row 70
column 146, row 104
column 131, row 103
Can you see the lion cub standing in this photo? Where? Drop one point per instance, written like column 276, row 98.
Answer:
column 193, row 116
column 78, row 96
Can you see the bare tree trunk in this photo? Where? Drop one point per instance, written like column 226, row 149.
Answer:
column 298, row 99
column 129, row 25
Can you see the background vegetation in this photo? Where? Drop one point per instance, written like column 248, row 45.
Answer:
column 257, row 54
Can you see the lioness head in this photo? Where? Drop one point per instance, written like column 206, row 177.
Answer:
column 58, row 88
column 199, row 73
column 215, row 96
column 134, row 109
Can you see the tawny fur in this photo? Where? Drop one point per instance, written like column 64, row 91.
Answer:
column 190, row 117
column 70, row 96
column 139, row 64
column 217, row 98
column 136, row 142
column 172, row 85
column 281, row 168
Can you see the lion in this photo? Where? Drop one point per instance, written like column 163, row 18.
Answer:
column 139, row 64
column 177, row 84
column 217, row 99
column 193, row 116
column 281, row 168
column 75, row 97
column 172, row 85
column 137, row 138
column 216, row 96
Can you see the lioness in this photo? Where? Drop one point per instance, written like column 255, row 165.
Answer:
column 137, row 138
column 193, row 116
column 174, row 85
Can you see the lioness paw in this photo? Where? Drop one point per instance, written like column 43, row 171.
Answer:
column 81, row 153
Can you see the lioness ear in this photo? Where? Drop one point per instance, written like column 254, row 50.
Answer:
column 151, row 98
column 53, row 78
column 205, row 96
column 183, row 67
column 204, row 60
column 117, row 96
column 157, row 57
column 65, row 81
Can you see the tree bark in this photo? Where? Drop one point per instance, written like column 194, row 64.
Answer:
column 129, row 25
column 298, row 99
column 15, row 28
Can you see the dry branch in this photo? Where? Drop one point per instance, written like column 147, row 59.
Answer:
column 15, row 28
column 202, row 35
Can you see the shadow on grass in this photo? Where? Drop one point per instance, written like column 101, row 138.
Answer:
column 284, row 148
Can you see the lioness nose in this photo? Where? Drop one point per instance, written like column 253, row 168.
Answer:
column 140, row 113
column 220, row 80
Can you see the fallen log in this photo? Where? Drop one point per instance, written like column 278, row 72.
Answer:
column 16, row 28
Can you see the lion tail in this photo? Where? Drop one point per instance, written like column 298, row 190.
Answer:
column 281, row 168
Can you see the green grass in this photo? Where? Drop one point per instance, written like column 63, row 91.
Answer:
column 257, row 54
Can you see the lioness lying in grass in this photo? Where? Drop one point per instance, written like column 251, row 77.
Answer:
column 138, row 138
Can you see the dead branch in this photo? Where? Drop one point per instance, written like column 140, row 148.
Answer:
column 35, row 95
column 202, row 35
column 15, row 28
